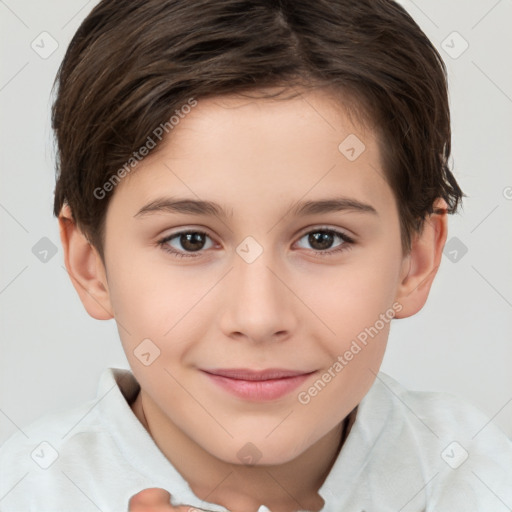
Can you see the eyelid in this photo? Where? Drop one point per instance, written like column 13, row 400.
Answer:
column 348, row 241
column 324, row 227
column 187, row 229
column 299, row 234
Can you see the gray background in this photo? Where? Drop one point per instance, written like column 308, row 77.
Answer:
column 52, row 353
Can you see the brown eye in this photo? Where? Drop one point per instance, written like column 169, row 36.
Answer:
column 321, row 240
column 185, row 242
column 192, row 241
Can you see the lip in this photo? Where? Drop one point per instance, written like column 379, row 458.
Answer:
column 257, row 385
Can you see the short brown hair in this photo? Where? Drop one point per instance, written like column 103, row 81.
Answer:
column 131, row 64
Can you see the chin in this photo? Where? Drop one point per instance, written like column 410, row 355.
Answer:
column 257, row 453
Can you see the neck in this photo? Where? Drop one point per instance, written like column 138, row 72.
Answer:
column 285, row 487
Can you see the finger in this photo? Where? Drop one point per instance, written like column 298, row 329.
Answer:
column 150, row 500
column 155, row 499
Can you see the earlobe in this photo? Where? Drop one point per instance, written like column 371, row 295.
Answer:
column 84, row 267
column 421, row 265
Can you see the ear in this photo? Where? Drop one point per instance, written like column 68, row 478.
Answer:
column 85, row 268
column 420, row 266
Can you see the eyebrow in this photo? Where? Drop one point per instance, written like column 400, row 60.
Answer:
column 198, row 207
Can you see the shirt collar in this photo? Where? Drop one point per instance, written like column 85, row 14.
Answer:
column 118, row 388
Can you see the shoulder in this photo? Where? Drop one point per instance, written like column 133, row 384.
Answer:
column 443, row 414
column 54, row 428
column 40, row 443
column 28, row 458
column 43, row 464
column 45, row 438
column 460, row 451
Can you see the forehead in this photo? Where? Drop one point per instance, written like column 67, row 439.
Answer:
column 316, row 112
column 237, row 150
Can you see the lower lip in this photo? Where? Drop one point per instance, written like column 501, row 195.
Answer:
column 259, row 390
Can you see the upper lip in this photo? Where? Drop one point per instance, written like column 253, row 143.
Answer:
column 248, row 374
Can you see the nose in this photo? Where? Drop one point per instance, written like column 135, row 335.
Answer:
column 259, row 305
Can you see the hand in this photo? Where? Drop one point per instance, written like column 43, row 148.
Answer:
column 156, row 500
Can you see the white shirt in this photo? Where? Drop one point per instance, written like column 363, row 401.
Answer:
column 407, row 451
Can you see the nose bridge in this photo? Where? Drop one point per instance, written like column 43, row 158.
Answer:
column 260, row 305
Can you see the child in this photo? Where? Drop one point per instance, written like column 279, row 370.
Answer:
column 254, row 190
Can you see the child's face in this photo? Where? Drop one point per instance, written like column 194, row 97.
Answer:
column 229, row 306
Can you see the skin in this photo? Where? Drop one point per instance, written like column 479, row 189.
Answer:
column 155, row 500
column 289, row 308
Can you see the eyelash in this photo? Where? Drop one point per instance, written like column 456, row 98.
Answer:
column 346, row 245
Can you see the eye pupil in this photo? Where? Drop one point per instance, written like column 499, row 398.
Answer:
column 320, row 240
column 188, row 241
column 324, row 237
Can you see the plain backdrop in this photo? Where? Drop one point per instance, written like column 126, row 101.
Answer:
column 52, row 353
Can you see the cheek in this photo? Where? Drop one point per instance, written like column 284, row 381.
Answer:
column 139, row 290
column 161, row 303
column 143, row 298
column 361, row 320
column 357, row 304
column 353, row 297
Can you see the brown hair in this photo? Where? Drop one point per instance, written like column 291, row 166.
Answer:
column 131, row 64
